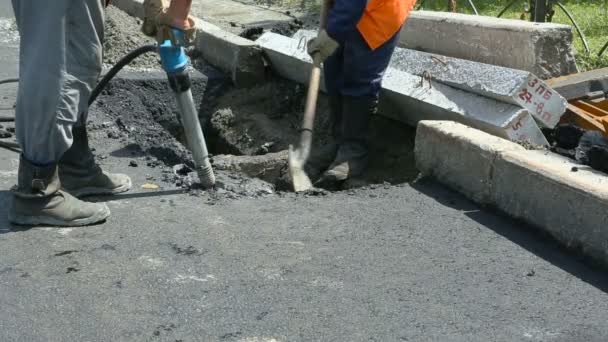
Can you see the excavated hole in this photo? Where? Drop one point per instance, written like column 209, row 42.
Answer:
column 248, row 130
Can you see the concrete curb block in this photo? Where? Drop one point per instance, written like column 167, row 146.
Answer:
column 545, row 50
column 459, row 156
column 405, row 99
column 240, row 57
column 517, row 87
column 538, row 187
column 288, row 57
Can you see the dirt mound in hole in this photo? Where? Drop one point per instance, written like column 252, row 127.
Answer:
column 266, row 119
column 257, row 125
column 260, row 120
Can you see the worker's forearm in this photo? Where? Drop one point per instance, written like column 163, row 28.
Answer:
column 178, row 11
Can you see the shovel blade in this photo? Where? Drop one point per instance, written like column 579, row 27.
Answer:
column 299, row 178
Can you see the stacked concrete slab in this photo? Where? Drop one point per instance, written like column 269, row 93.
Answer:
column 407, row 98
column 545, row 50
column 517, row 87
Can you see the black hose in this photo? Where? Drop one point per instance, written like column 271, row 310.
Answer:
column 117, row 67
column 576, row 26
column 9, row 80
column 10, row 146
column 96, row 91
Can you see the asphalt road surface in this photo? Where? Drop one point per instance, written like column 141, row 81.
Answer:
column 404, row 263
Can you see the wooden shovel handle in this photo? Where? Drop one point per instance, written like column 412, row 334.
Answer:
column 325, row 7
column 313, row 91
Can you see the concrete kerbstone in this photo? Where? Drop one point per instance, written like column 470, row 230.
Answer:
column 459, row 156
column 408, row 99
column 517, row 87
column 545, row 50
column 288, row 57
column 240, row 57
column 538, row 187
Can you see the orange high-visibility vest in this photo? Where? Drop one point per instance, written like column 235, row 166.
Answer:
column 382, row 19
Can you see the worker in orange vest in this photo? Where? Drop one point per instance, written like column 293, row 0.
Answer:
column 356, row 47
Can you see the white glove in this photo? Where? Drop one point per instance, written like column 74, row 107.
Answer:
column 157, row 22
column 321, row 47
column 153, row 9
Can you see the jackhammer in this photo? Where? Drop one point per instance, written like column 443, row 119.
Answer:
column 175, row 63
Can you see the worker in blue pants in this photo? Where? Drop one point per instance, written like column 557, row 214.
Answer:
column 356, row 48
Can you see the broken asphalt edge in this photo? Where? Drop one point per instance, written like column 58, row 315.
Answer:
column 560, row 197
column 240, row 57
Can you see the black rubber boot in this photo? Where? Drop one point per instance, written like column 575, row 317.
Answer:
column 81, row 176
column 320, row 159
column 352, row 157
column 39, row 200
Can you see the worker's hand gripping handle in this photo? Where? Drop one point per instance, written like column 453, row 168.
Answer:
column 175, row 62
column 173, row 53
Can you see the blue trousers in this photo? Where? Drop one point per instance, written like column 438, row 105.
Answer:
column 355, row 70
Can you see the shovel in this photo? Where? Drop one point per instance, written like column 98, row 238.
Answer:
column 298, row 157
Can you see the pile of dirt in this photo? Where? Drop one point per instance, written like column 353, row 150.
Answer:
column 260, row 120
column 266, row 119
column 146, row 122
column 123, row 35
column 145, row 111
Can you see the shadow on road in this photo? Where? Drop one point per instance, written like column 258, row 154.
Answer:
column 524, row 235
column 129, row 151
column 5, row 201
column 134, row 195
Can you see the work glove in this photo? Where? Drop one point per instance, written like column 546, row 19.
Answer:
column 158, row 24
column 321, row 47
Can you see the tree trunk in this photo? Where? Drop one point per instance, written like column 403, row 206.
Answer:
column 452, row 6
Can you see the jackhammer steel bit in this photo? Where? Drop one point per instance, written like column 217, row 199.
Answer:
column 175, row 62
